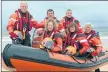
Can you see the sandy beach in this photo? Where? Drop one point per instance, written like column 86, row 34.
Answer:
column 104, row 43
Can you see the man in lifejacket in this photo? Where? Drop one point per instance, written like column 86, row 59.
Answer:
column 22, row 21
column 76, row 39
column 51, row 31
column 93, row 37
column 68, row 19
column 50, row 15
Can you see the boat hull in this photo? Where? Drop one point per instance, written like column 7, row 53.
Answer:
column 24, row 58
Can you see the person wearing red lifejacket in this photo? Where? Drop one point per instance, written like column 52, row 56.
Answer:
column 80, row 29
column 50, row 15
column 93, row 37
column 68, row 19
column 22, row 21
column 76, row 39
column 51, row 32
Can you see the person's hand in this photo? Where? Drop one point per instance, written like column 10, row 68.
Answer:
column 13, row 35
column 81, row 51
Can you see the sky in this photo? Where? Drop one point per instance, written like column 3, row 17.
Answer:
column 94, row 12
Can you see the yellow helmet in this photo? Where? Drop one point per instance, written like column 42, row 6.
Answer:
column 71, row 49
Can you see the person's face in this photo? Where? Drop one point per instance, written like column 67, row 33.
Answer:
column 88, row 29
column 50, row 26
column 69, row 14
column 72, row 29
column 23, row 7
column 50, row 14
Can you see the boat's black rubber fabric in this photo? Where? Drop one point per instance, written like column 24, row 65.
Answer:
column 26, row 53
column 6, row 57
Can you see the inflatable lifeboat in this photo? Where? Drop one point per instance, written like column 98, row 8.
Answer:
column 23, row 58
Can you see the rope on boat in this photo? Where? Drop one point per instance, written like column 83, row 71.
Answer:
column 78, row 61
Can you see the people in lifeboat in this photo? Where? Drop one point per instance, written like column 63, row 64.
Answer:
column 68, row 19
column 93, row 38
column 76, row 40
column 51, row 33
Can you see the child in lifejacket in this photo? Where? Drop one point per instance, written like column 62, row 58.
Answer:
column 94, row 39
column 51, row 32
column 76, row 39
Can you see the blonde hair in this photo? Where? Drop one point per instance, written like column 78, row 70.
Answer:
column 54, row 24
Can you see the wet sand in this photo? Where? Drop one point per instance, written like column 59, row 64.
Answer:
column 104, row 68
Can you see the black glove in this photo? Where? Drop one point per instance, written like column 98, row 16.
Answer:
column 16, row 41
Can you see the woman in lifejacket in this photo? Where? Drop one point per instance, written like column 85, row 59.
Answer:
column 76, row 40
column 52, row 33
column 93, row 39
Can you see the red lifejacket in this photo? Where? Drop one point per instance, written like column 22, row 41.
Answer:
column 23, row 21
column 82, row 42
column 49, row 34
column 66, row 23
column 71, row 39
column 89, row 35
